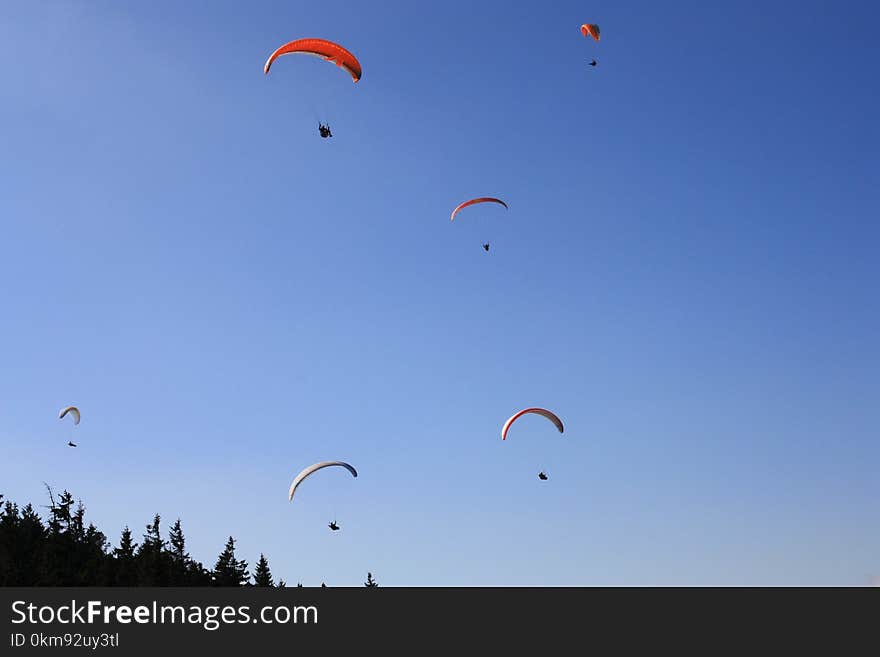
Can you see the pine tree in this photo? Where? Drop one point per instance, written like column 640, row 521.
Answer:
column 10, row 528
column 77, row 522
column 197, row 574
column 126, row 545
column 59, row 512
column 185, row 571
column 59, row 568
column 153, row 563
column 370, row 583
column 153, row 538
column 178, row 543
column 95, row 568
column 67, row 550
column 72, row 553
column 262, row 574
column 228, row 571
column 22, row 546
column 124, row 556
column 180, row 561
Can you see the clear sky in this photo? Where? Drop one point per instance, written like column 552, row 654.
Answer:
column 688, row 274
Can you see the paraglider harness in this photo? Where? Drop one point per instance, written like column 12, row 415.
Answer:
column 324, row 130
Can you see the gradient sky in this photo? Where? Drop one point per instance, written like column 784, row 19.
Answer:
column 688, row 274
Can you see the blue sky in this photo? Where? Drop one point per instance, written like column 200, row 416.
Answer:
column 687, row 274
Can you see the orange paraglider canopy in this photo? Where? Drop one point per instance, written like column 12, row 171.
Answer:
column 326, row 50
column 473, row 201
column 590, row 30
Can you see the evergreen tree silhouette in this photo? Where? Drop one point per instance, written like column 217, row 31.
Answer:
column 125, row 571
column 262, row 574
column 92, row 545
column 66, row 550
column 179, row 558
column 229, row 571
column 22, row 545
column 197, row 574
column 177, row 542
column 185, row 571
column 153, row 562
column 72, row 554
column 58, row 566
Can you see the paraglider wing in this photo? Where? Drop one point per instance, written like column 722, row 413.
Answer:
column 74, row 412
column 314, row 468
column 326, row 50
column 473, row 201
column 539, row 411
column 590, row 30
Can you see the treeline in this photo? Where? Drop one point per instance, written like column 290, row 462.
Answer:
column 65, row 551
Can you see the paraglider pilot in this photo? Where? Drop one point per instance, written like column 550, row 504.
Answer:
column 486, row 247
column 324, row 130
column 542, row 476
column 333, row 526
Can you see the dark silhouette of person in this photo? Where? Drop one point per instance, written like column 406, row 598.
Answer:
column 324, row 130
column 333, row 526
column 542, row 476
column 593, row 63
column 486, row 247
column 70, row 444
